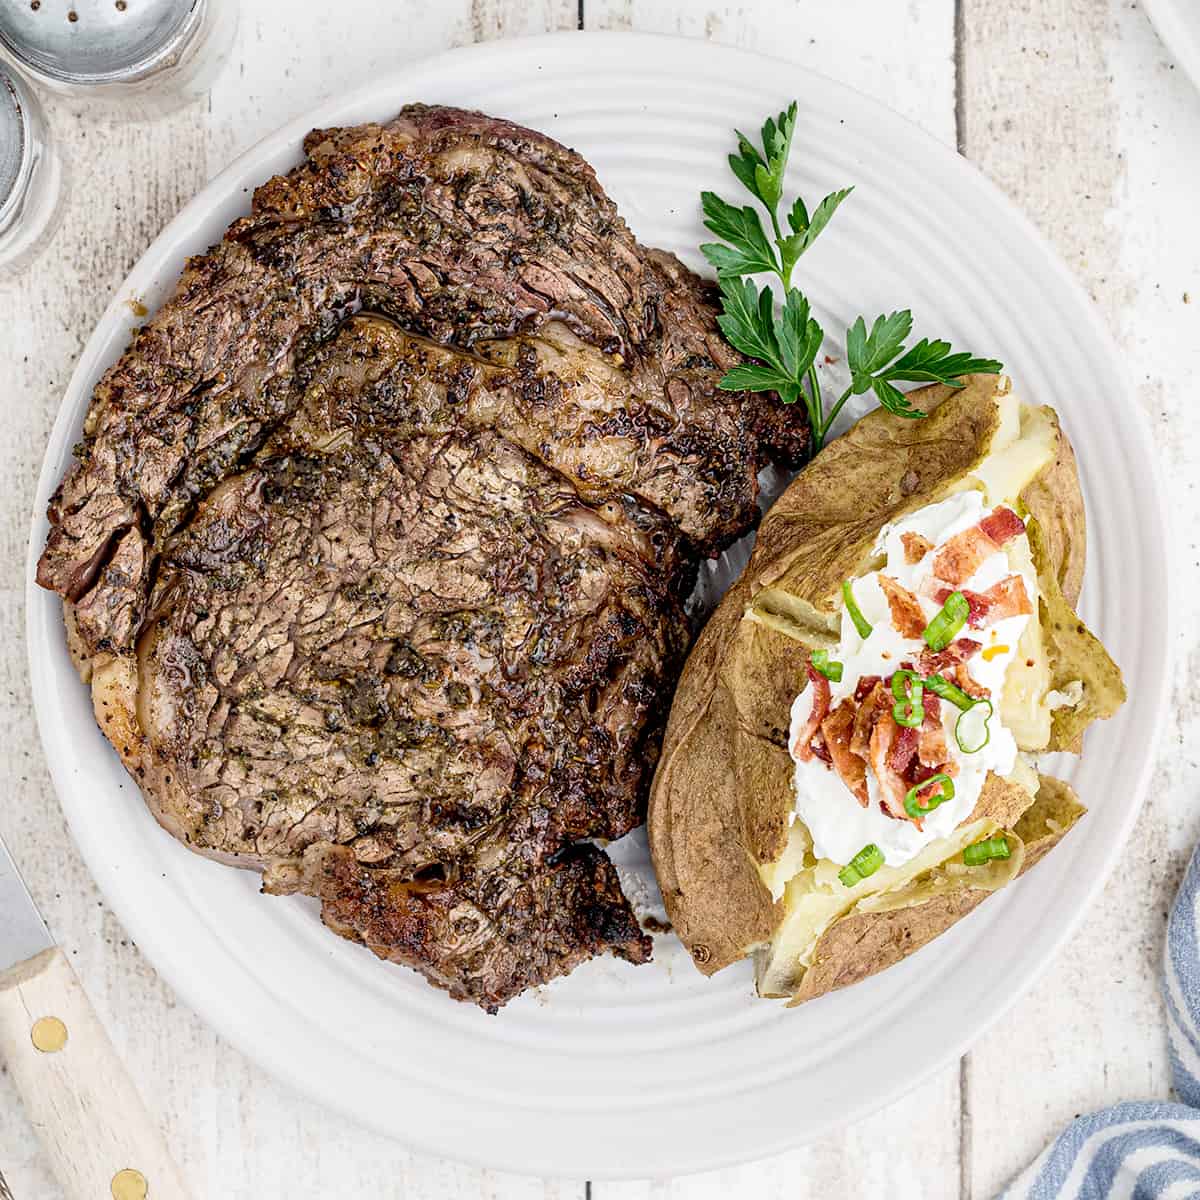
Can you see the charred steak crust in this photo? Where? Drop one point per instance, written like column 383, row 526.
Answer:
column 376, row 544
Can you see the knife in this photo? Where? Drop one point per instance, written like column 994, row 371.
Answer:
column 101, row 1142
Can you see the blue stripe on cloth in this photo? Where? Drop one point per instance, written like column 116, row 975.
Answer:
column 1187, row 1086
column 1045, row 1179
column 1185, row 1066
column 1178, row 1021
column 1157, row 1178
column 1149, row 1149
column 1110, row 1162
column 1181, row 956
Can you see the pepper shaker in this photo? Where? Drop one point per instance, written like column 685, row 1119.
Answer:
column 134, row 59
column 30, row 175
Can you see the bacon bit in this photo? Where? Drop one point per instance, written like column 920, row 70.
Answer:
column 949, row 663
column 938, row 662
column 992, row 651
column 962, row 677
column 1008, row 598
column 1002, row 525
column 907, row 614
column 932, row 749
column 916, row 546
column 976, row 604
column 821, row 750
column 866, row 685
column 864, row 720
column 962, row 555
column 904, row 750
column 802, row 747
column 851, row 769
column 891, row 786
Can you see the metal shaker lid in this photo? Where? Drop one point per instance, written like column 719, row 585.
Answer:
column 14, row 139
column 91, row 41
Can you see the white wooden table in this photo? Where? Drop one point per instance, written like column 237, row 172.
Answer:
column 1075, row 109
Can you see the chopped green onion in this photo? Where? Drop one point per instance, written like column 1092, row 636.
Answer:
column 971, row 730
column 940, row 632
column 917, row 810
column 821, row 662
column 861, row 623
column 985, row 851
column 901, row 681
column 941, row 686
column 866, row 862
column 908, row 690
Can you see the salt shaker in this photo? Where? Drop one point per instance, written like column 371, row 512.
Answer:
column 30, row 175
column 136, row 59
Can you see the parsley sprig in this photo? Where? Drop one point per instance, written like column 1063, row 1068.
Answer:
column 783, row 343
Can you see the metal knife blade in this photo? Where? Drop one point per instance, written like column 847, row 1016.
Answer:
column 23, row 933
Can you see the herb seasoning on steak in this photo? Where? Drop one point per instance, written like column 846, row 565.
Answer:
column 377, row 542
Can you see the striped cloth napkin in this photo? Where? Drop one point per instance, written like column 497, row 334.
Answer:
column 1141, row 1150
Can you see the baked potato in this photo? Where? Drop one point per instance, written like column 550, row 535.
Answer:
column 847, row 769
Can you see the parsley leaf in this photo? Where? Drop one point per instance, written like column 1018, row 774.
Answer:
column 761, row 173
column 785, row 344
column 799, row 336
column 748, row 319
column 878, row 357
column 745, row 247
column 804, row 231
column 748, row 252
column 933, row 362
column 867, row 353
column 782, row 347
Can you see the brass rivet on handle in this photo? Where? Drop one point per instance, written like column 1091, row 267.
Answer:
column 49, row 1035
column 129, row 1185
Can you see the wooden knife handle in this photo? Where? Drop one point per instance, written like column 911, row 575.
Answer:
column 101, row 1142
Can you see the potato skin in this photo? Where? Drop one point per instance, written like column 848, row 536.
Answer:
column 721, row 799
column 1055, row 500
column 863, row 944
column 709, row 823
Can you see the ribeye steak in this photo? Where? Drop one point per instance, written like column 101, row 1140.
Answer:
column 377, row 541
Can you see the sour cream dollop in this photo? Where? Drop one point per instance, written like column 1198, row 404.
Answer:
column 839, row 825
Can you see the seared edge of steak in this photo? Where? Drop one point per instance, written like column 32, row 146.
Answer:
column 397, row 609
column 552, row 921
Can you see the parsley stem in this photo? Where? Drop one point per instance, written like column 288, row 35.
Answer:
column 819, row 434
column 815, row 406
column 786, row 277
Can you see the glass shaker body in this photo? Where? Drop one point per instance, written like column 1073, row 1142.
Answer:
column 120, row 59
column 30, row 176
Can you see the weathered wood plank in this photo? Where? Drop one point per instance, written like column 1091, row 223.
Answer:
column 127, row 181
column 1048, row 124
column 236, row 1132
column 902, row 55
column 286, row 65
column 876, row 1157
column 1070, row 107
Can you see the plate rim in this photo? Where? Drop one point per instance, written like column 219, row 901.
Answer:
column 91, row 360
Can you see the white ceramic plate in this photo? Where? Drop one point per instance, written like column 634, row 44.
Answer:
column 616, row 1070
column 1178, row 24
